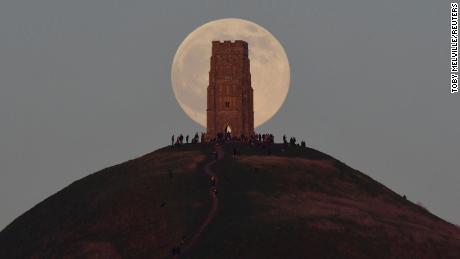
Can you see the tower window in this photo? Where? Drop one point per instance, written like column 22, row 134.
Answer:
column 227, row 104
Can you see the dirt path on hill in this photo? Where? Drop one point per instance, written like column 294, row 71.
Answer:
column 214, row 201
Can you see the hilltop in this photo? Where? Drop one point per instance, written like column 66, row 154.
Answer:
column 293, row 203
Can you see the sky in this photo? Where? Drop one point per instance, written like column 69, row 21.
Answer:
column 87, row 84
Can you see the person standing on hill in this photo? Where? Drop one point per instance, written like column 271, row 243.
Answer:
column 172, row 140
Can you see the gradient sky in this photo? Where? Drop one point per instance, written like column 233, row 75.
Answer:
column 86, row 84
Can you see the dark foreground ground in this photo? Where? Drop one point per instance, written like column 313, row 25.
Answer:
column 298, row 203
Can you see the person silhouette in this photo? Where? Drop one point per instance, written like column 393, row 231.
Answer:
column 213, row 181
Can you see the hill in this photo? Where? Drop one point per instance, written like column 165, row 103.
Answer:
column 293, row 203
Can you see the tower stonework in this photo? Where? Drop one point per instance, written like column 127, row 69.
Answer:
column 230, row 105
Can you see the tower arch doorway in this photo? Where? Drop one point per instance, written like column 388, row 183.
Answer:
column 227, row 132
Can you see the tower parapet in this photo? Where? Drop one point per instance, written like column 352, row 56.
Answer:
column 230, row 47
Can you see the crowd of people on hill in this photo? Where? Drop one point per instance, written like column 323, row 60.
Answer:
column 293, row 142
column 263, row 139
column 180, row 139
column 259, row 138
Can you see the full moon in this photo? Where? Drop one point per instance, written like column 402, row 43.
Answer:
column 269, row 66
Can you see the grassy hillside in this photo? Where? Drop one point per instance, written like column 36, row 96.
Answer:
column 131, row 210
column 272, row 203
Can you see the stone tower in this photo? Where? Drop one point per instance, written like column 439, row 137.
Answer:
column 230, row 107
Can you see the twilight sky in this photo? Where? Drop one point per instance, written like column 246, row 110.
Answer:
column 86, row 84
